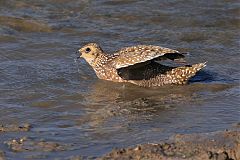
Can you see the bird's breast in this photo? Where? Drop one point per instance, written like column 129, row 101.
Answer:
column 108, row 73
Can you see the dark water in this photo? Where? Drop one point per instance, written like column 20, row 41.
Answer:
column 65, row 102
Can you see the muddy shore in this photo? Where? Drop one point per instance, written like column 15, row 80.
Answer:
column 221, row 145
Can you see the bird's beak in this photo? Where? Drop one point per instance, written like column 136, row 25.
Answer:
column 78, row 52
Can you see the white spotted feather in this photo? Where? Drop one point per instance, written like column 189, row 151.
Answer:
column 138, row 54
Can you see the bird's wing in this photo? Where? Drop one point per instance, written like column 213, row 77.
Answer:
column 143, row 71
column 138, row 54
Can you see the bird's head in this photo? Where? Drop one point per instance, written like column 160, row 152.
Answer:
column 90, row 52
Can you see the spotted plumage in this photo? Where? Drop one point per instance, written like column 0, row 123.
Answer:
column 138, row 65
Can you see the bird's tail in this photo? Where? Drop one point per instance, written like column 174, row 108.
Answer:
column 181, row 75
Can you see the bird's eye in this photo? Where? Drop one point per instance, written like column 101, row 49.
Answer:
column 88, row 50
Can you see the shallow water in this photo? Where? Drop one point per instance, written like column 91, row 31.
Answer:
column 65, row 102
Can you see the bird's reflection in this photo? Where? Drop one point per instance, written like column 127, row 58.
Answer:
column 114, row 108
column 106, row 100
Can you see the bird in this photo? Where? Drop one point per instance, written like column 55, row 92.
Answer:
column 139, row 65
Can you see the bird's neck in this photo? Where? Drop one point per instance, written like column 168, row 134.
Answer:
column 101, row 66
column 100, row 60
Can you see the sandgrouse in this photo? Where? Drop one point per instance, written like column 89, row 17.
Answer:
column 140, row 65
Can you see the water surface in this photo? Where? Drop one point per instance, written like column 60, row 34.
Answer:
column 65, row 102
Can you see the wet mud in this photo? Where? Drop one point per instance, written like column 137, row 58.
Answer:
column 27, row 144
column 224, row 145
column 15, row 128
column 219, row 145
column 2, row 155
